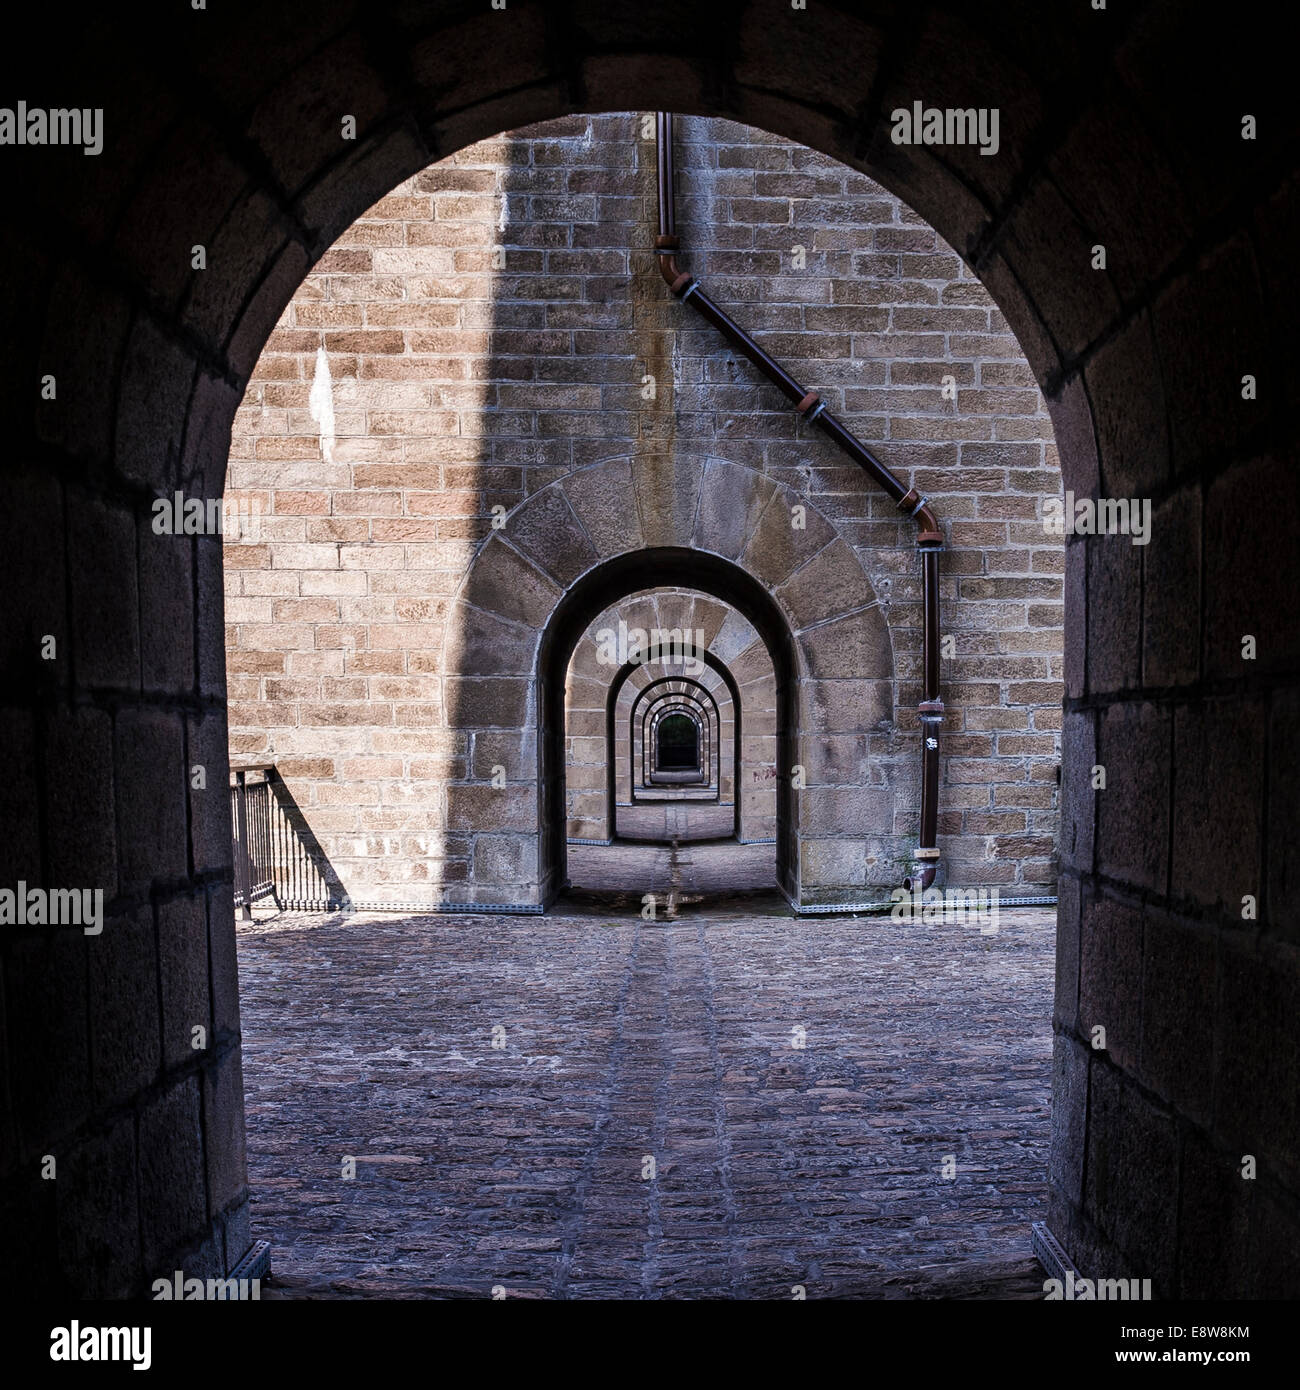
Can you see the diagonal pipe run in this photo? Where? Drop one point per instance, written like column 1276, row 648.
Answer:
column 929, row 537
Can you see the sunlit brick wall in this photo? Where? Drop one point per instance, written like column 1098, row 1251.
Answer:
column 496, row 323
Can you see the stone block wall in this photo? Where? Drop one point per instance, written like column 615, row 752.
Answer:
column 1121, row 127
column 497, row 323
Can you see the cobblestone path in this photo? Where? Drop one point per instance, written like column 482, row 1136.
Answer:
column 526, row 1166
column 723, row 866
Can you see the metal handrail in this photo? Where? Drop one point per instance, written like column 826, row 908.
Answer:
column 274, row 854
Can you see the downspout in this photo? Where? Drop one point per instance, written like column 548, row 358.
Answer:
column 929, row 537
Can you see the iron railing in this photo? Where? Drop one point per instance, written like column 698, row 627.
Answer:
column 275, row 854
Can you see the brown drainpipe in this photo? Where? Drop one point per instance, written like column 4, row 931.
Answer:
column 929, row 537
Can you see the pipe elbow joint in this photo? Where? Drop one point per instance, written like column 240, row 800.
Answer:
column 929, row 532
column 926, row 868
column 675, row 277
column 921, row 879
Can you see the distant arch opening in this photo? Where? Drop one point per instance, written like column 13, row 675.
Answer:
column 651, row 705
column 677, row 744
column 598, row 590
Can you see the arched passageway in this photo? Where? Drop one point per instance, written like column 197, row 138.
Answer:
column 677, row 738
column 582, row 610
column 1166, row 143
column 682, row 644
column 681, row 647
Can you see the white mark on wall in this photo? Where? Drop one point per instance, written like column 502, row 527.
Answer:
column 321, row 405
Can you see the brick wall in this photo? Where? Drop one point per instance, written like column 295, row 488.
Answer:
column 495, row 324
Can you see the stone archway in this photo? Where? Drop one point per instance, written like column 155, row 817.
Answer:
column 720, row 709
column 689, row 744
column 600, row 711
column 601, row 695
column 700, row 521
column 1120, row 131
column 678, row 735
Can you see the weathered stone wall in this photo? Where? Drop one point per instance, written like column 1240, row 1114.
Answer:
column 1120, row 127
column 497, row 323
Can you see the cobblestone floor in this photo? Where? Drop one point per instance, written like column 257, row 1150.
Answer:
column 678, row 819
column 682, row 868
column 525, row 1166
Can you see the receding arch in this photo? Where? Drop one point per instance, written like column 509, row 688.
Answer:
column 698, row 706
column 655, row 701
column 679, row 740
column 799, row 587
column 604, row 584
column 685, row 623
column 727, row 700
column 719, row 667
